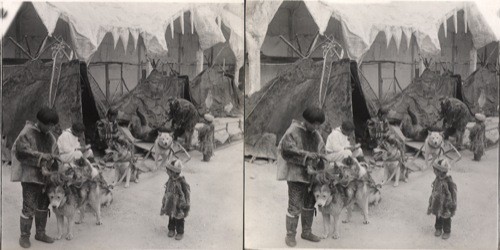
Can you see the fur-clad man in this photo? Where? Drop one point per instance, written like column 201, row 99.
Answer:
column 300, row 147
column 455, row 116
column 34, row 149
column 184, row 117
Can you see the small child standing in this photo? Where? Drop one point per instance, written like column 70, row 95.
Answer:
column 443, row 200
column 477, row 137
column 206, row 138
column 176, row 200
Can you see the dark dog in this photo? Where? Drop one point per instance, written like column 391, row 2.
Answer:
column 411, row 128
column 140, row 128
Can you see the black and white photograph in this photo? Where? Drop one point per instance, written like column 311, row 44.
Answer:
column 250, row 124
column 371, row 124
column 122, row 125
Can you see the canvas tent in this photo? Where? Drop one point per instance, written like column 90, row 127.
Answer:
column 484, row 81
column 272, row 109
column 27, row 88
column 422, row 96
column 214, row 91
column 151, row 96
column 210, row 91
column 406, row 32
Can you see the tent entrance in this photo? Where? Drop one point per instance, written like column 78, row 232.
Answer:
column 360, row 112
column 89, row 109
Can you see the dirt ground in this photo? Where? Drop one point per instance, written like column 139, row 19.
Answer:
column 133, row 221
column 399, row 221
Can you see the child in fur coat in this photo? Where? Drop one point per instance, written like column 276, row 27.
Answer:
column 176, row 200
column 443, row 200
column 477, row 137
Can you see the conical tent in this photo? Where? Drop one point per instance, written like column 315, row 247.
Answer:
column 26, row 89
column 151, row 97
column 422, row 96
column 485, row 81
column 213, row 91
column 272, row 109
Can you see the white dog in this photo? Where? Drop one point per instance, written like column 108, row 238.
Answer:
column 163, row 148
column 433, row 147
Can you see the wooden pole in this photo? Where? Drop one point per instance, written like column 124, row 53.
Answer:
column 121, row 78
column 106, row 73
column 179, row 54
column 211, row 57
column 394, row 73
column 412, row 46
column 199, row 61
column 380, row 82
column 139, row 65
column 453, row 52
column 18, row 33
column 290, row 29
column 291, row 46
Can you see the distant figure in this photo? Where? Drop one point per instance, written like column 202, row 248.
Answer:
column 455, row 115
column 206, row 138
column 109, row 134
column 70, row 148
column 477, row 137
column 184, row 117
column 34, row 150
column 378, row 128
column 443, row 200
column 176, row 200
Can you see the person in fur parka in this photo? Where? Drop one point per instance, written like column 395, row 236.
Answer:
column 176, row 200
column 443, row 200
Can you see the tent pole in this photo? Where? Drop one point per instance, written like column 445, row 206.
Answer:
column 290, row 29
column 211, row 57
column 179, row 53
column 138, row 64
column 453, row 52
column 18, row 33
column 395, row 79
column 199, row 61
column 380, row 83
column 291, row 46
column 121, row 77
column 412, row 61
column 106, row 74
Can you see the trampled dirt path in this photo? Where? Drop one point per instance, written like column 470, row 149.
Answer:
column 399, row 221
column 133, row 221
